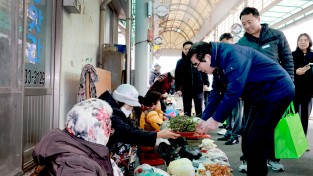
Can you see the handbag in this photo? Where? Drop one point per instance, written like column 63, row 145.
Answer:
column 289, row 138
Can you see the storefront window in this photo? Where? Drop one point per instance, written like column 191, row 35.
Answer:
column 11, row 87
column 38, row 43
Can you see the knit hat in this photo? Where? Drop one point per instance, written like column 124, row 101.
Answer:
column 126, row 93
column 90, row 120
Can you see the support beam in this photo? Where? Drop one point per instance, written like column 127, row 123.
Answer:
column 292, row 17
column 217, row 16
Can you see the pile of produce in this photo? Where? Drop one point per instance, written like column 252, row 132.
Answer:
column 214, row 170
column 182, row 124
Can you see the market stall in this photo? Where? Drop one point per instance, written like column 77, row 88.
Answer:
column 199, row 156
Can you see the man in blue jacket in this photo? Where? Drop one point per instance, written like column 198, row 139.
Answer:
column 240, row 71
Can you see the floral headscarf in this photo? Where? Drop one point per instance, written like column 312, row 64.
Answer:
column 90, row 121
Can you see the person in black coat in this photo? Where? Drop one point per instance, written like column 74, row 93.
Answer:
column 303, row 78
column 189, row 82
column 125, row 138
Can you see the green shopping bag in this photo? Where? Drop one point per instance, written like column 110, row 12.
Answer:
column 289, row 138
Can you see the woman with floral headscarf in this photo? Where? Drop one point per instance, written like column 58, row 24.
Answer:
column 80, row 148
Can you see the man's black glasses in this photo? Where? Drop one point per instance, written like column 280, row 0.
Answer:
column 196, row 65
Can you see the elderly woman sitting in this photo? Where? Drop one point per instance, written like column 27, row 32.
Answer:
column 79, row 149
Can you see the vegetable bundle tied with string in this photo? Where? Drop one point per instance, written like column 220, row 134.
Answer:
column 182, row 124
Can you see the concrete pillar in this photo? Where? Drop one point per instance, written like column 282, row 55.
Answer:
column 142, row 47
column 128, row 38
column 102, row 29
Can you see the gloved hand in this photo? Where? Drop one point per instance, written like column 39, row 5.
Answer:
column 160, row 140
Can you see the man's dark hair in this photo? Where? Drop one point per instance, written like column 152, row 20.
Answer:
column 249, row 10
column 200, row 49
column 226, row 36
column 187, row 43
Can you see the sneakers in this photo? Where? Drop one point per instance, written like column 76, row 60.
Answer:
column 223, row 138
column 222, row 132
column 243, row 167
column 221, row 126
column 308, row 149
column 232, row 142
column 275, row 165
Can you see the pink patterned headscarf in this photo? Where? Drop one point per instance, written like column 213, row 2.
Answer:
column 90, row 120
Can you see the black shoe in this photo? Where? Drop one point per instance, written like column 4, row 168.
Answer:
column 232, row 142
column 223, row 138
column 221, row 126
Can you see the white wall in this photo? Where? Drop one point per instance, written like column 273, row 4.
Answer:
column 293, row 32
column 167, row 63
column 80, row 46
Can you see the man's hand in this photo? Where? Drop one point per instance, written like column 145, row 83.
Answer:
column 167, row 133
column 204, row 126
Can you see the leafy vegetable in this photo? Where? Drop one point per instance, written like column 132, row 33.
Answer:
column 182, row 124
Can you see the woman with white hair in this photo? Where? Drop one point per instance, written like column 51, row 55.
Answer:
column 154, row 73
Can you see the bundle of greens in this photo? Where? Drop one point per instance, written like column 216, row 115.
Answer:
column 182, row 124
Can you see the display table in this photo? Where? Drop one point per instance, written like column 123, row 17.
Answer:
column 212, row 159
